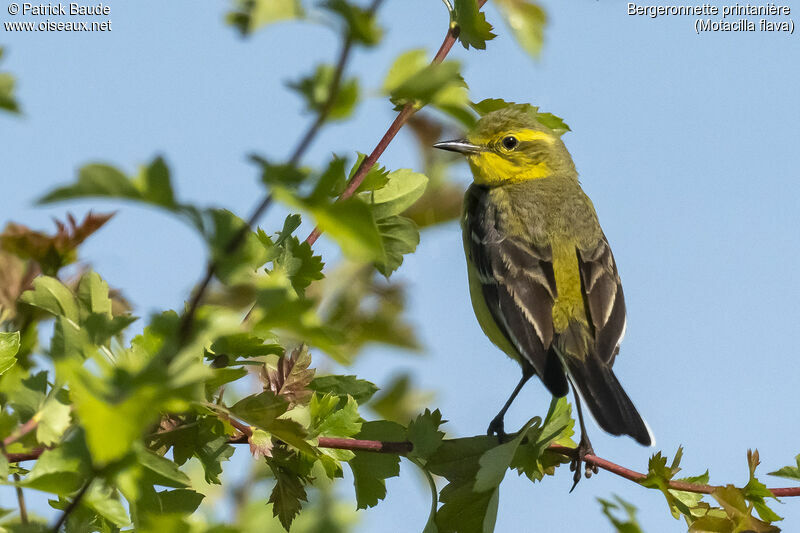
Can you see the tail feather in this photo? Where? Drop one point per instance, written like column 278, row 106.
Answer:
column 610, row 405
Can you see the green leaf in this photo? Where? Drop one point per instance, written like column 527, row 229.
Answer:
column 424, row 434
column 96, row 180
column 527, row 21
column 490, row 104
column 342, row 386
column 154, row 184
column 296, row 260
column 403, row 187
column 280, row 174
column 103, row 500
column 9, row 346
column 52, row 296
column 54, row 419
column 212, row 454
column 361, row 25
column 7, row 100
column 315, row 90
column 629, row 524
column 532, row 457
column 261, row 409
column 61, row 470
column 286, row 496
column 376, row 177
column 248, row 16
column 412, row 80
column 370, row 470
column 233, row 264
column 348, row 222
column 183, row 501
column 494, row 462
column 400, row 237
column 733, row 502
column 756, row 492
column 244, row 345
column 473, row 29
column 789, row 472
column 331, row 419
column 165, row 472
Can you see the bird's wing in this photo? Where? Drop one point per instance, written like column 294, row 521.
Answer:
column 605, row 301
column 518, row 287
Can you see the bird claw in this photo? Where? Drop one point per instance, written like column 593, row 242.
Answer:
column 496, row 427
column 584, row 448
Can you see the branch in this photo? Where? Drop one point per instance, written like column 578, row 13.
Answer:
column 72, row 505
column 297, row 154
column 21, row 431
column 405, row 447
column 399, row 121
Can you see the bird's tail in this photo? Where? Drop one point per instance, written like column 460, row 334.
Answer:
column 610, row 405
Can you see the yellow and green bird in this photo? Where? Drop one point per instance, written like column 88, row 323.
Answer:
column 543, row 281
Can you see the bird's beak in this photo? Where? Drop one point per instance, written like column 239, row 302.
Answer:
column 462, row 146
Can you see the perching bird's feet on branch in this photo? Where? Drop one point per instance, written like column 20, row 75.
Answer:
column 584, row 448
column 497, row 428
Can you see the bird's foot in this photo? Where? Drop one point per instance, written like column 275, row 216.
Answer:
column 496, row 427
column 584, row 448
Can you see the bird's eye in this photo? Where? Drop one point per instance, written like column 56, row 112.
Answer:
column 510, row 142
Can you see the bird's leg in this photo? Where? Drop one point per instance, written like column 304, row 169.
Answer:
column 496, row 426
column 584, row 448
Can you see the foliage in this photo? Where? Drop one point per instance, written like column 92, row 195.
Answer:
column 131, row 421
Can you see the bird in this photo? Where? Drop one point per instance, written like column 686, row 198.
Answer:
column 543, row 281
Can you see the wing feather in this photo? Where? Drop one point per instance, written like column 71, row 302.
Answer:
column 605, row 301
column 518, row 287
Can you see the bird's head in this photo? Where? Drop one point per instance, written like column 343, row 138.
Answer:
column 511, row 145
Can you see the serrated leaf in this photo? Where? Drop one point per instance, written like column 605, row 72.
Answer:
column 50, row 295
column 789, row 472
column 51, row 251
column 424, row 434
column 291, row 377
column 376, row 177
column 474, row 30
column 400, row 237
column 167, row 472
column 9, row 346
column 287, row 496
column 349, row 222
column 103, row 500
column 332, row 417
column 527, row 21
column 370, row 470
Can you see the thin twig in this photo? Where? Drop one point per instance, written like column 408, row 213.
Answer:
column 72, row 505
column 398, row 122
column 300, row 150
column 23, row 509
column 21, row 431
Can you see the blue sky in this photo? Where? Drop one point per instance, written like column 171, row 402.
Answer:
column 686, row 143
